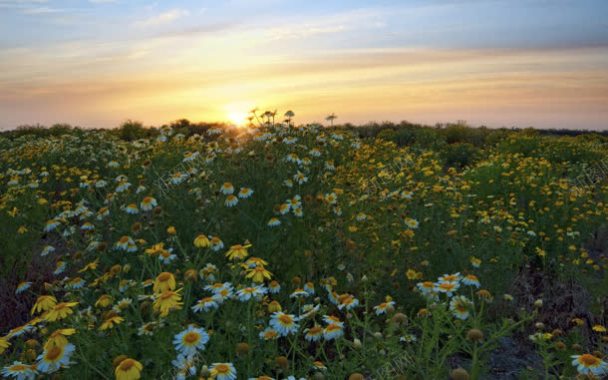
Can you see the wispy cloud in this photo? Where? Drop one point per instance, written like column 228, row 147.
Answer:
column 163, row 18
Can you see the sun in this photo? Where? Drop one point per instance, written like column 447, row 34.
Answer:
column 238, row 118
column 237, row 113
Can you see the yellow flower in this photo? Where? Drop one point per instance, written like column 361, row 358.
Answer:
column 164, row 281
column 412, row 274
column 58, row 338
column 171, row 230
column 167, row 301
column 258, row 274
column 111, row 321
column 4, row 344
column 128, row 369
column 599, row 328
column 90, row 266
column 156, row 249
column 44, row 303
column 60, row 311
column 104, row 300
column 238, row 252
column 202, row 241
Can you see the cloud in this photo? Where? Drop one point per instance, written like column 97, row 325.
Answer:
column 162, row 18
column 102, row 1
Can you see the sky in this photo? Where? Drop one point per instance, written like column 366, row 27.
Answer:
column 96, row 63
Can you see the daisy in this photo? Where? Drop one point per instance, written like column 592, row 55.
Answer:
column 274, row 287
column 245, row 192
column 19, row 371
column 22, row 287
column 75, row 283
column 20, row 330
column 314, row 334
column 47, row 250
column 190, row 156
column 147, row 329
column 411, row 223
column 269, row 334
column 166, row 257
column 450, row 278
column 460, row 307
column 132, row 209
column 384, row 307
column 54, row 358
column 475, row 262
column 447, row 287
column 123, row 186
column 298, row 211
column 426, row 288
column 333, row 331
column 471, row 280
column 51, row 225
column 274, row 222
column 284, row 208
column 298, row 293
column 330, row 319
column 216, row 243
column 227, row 188
column 223, row 371
column 309, row 288
column 250, row 292
column 123, row 304
column 231, row 201
column 148, row 204
column 206, row 304
column 190, row 341
column 588, row 364
column 126, row 243
column 285, row 324
column 186, row 366
column 347, row 301
column 59, row 268
column 128, row 369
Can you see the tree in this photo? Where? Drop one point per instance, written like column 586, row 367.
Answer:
column 288, row 115
column 331, row 118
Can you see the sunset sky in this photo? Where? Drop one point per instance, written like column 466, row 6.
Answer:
column 96, row 63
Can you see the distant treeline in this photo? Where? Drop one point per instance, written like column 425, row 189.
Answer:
column 403, row 133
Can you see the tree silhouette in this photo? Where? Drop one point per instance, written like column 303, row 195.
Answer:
column 331, row 118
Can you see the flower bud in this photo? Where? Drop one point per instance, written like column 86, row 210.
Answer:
column 475, row 335
column 459, row 374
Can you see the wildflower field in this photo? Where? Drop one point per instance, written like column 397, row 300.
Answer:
column 284, row 252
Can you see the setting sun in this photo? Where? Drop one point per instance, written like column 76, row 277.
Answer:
column 238, row 118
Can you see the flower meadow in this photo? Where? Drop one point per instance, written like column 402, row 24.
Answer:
column 308, row 252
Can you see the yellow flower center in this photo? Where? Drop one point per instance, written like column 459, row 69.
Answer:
column 126, row 364
column 191, row 337
column 285, row 319
column 53, row 354
column 588, row 360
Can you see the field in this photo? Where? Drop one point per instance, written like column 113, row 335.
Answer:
column 284, row 252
